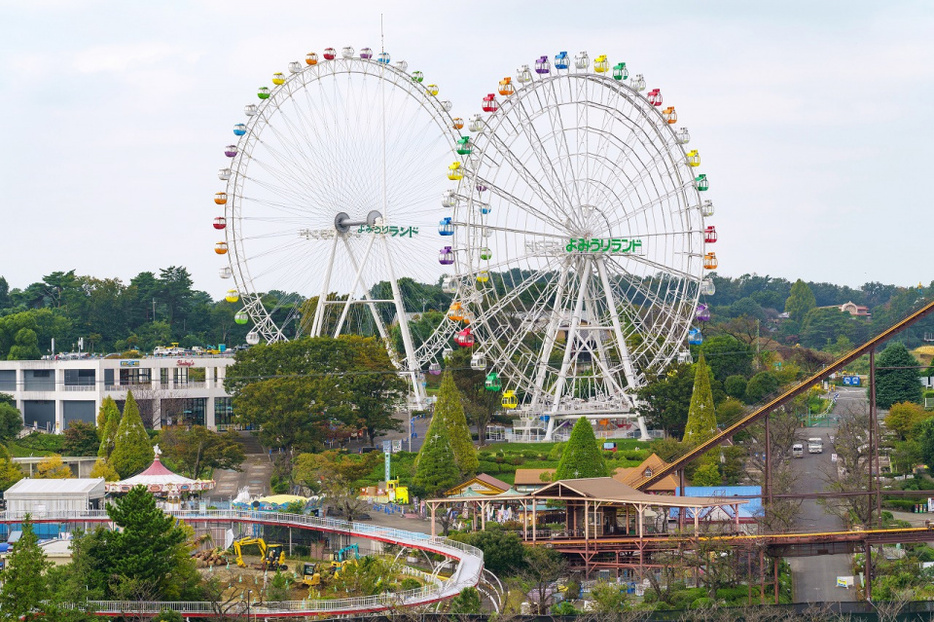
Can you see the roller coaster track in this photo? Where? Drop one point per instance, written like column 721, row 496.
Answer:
column 468, row 572
column 784, row 398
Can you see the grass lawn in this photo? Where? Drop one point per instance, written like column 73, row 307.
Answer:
column 18, row 451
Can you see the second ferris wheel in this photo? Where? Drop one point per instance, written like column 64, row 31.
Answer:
column 578, row 241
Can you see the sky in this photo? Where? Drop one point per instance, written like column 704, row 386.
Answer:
column 811, row 117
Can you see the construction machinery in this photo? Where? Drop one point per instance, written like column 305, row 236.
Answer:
column 311, row 576
column 273, row 554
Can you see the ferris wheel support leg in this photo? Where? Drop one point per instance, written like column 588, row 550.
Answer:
column 624, row 356
column 550, row 336
column 550, row 430
column 410, row 360
column 644, row 431
column 358, row 275
column 316, row 326
column 572, row 335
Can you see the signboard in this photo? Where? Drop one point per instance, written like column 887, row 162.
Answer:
column 604, row 245
column 387, row 456
column 852, row 381
column 390, row 230
column 129, row 363
column 397, row 445
column 846, row 582
column 185, row 363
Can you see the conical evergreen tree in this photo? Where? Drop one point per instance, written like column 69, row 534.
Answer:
column 701, row 425
column 451, row 410
column 25, row 586
column 702, row 418
column 582, row 456
column 435, row 469
column 108, row 420
column 132, row 450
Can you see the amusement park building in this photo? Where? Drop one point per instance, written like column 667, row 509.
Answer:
column 169, row 390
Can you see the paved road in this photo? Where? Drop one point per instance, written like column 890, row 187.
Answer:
column 815, row 578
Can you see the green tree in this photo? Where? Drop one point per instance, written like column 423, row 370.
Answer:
column 25, row 586
column 102, row 468
column 337, row 476
column 52, row 467
column 196, row 449
column 467, row 602
column 108, row 420
column 761, row 385
column 903, row 417
column 11, row 422
column 80, row 439
column 735, row 386
column 149, row 549
column 896, row 376
column 435, row 468
column 503, row 553
column 702, row 417
column 925, row 435
column 708, row 473
column 728, row 356
column 608, row 597
column 296, row 392
column 132, row 450
column 582, row 456
column 25, row 346
column 667, row 398
column 800, row 301
column 451, row 411
column 10, row 473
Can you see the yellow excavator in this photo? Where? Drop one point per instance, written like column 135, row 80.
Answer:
column 273, row 554
column 314, row 574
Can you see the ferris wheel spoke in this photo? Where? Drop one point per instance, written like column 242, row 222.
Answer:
column 526, row 207
column 531, row 181
column 563, row 155
column 525, row 125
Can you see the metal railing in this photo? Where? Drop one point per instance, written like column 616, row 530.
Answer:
column 468, row 572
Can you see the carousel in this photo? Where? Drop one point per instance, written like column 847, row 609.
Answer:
column 161, row 482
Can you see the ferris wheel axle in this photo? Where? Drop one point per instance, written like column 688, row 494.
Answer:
column 343, row 223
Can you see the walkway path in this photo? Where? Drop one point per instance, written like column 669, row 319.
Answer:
column 467, row 574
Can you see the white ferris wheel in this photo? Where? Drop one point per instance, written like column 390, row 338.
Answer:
column 578, row 241
column 329, row 194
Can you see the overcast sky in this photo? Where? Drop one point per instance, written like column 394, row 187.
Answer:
column 813, row 118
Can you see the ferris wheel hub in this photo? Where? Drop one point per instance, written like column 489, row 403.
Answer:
column 343, row 224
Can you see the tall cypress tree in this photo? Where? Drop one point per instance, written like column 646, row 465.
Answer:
column 702, row 424
column 582, row 456
column 25, row 586
column 898, row 383
column 435, row 469
column 702, row 418
column 451, row 411
column 132, row 450
column 108, row 420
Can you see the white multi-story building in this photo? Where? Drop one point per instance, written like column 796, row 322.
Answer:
column 186, row 390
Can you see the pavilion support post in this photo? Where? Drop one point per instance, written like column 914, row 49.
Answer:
column 586, row 526
column 483, row 508
column 533, row 520
column 640, row 509
column 736, row 515
column 868, row 569
column 432, row 507
column 696, row 522
column 525, row 520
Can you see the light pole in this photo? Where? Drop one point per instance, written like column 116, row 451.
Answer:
column 249, row 597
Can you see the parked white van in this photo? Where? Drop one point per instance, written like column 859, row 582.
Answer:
column 797, row 450
column 815, row 445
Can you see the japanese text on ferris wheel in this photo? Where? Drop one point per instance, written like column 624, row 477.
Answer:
column 604, row 245
column 390, row 230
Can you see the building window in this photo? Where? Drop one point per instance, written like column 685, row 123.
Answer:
column 223, row 411
column 193, row 410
